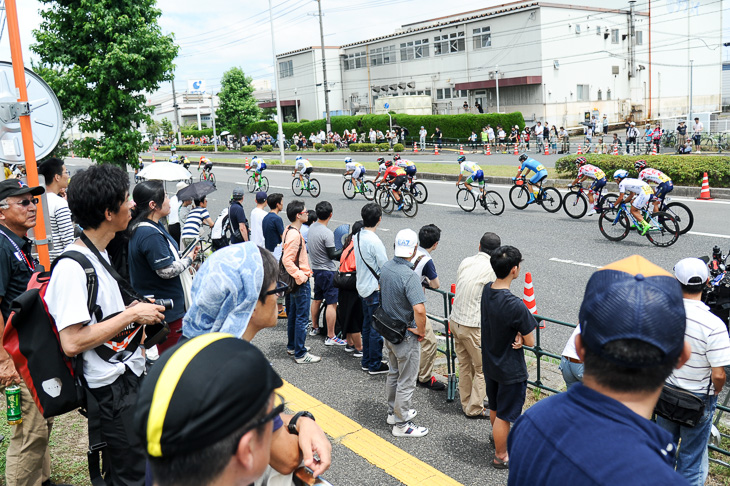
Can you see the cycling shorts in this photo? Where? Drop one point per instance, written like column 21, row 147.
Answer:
column 663, row 189
column 208, row 167
column 261, row 168
column 641, row 200
column 358, row 173
column 306, row 171
column 478, row 176
column 598, row 184
column 411, row 171
column 399, row 181
column 539, row 176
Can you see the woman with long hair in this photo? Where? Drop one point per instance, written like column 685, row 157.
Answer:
column 349, row 309
column 155, row 266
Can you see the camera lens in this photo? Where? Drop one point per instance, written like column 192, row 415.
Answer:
column 166, row 303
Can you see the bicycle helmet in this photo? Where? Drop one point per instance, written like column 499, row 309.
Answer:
column 348, row 160
column 388, row 163
column 380, row 160
column 620, row 174
column 640, row 164
column 202, row 157
column 523, row 157
column 580, row 161
column 461, row 158
column 299, row 158
column 396, row 157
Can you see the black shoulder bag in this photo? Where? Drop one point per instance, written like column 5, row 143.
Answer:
column 680, row 406
column 345, row 280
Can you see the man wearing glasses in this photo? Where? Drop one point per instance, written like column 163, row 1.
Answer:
column 18, row 215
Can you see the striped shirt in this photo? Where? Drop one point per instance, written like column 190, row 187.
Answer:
column 62, row 228
column 193, row 222
column 710, row 343
column 474, row 273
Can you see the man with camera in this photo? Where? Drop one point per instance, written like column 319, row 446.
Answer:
column 108, row 341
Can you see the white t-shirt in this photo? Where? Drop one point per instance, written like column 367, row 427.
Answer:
column 62, row 228
column 569, row 349
column 698, row 127
column 174, row 216
column 257, row 232
column 66, row 299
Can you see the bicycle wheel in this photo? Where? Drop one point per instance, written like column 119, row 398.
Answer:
column 378, row 191
column 385, row 201
column 664, row 229
column 410, row 205
column 369, row 190
column 202, row 176
column 551, row 199
column 606, row 201
column 251, row 184
column 314, row 187
column 575, row 204
column 264, row 184
column 493, row 202
column 708, row 144
column 682, row 214
column 348, row 189
column 211, row 178
column 296, row 187
column 519, row 196
column 419, row 191
column 466, row 200
column 614, row 226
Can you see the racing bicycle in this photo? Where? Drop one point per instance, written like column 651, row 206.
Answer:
column 616, row 224
column 207, row 175
column 351, row 188
column 417, row 189
column 386, row 200
column 490, row 200
column 310, row 185
column 680, row 212
column 575, row 202
column 547, row 197
column 254, row 186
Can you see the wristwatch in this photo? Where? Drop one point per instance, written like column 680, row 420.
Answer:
column 292, row 427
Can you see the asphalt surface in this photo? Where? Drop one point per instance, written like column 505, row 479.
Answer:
column 561, row 253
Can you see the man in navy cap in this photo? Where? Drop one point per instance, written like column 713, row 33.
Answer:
column 237, row 217
column 632, row 322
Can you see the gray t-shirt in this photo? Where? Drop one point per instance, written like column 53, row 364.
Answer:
column 320, row 237
column 400, row 290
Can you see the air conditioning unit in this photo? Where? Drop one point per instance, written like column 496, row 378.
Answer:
column 614, row 69
column 376, row 89
column 402, row 85
column 411, row 85
column 393, row 87
column 384, row 88
column 491, row 74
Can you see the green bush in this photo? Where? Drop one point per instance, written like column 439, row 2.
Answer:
column 317, row 146
column 248, row 148
column 383, row 147
column 684, row 170
column 367, row 147
column 398, row 147
column 208, row 132
column 192, row 148
column 267, row 148
column 293, row 147
column 329, row 147
column 354, row 147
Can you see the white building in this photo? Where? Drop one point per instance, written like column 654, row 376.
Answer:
column 551, row 61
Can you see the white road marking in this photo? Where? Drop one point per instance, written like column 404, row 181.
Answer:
column 571, row 262
column 441, row 204
column 711, row 235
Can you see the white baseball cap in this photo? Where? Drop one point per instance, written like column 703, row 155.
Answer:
column 691, row 271
column 405, row 242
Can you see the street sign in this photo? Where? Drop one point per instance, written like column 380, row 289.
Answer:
column 386, row 106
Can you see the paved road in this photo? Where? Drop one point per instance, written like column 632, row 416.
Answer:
column 561, row 254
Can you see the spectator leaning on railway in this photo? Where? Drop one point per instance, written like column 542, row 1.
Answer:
column 565, row 141
column 704, row 373
column 632, row 323
column 473, row 274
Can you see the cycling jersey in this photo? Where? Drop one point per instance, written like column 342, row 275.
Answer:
column 653, row 175
column 302, row 164
column 591, row 171
column 469, row 168
column 382, row 168
column 635, row 186
column 405, row 163
column 394, row 171
column 258, row 165
column 532, row 164
column 351, row 166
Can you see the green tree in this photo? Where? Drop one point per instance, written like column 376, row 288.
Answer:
column 237, row 107
column 101, row 58
column 166, row 126
column 154, row 128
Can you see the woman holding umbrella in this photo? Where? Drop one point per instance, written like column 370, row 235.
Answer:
column 155, row 266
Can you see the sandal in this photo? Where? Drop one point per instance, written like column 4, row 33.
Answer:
column 500, row 464
column 482, row 415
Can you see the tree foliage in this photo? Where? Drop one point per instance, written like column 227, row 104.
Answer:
column 101, row 58
column 237, row 108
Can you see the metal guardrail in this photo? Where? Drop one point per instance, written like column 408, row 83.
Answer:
column 452, row 380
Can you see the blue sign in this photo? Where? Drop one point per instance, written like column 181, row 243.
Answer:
column 386, row 106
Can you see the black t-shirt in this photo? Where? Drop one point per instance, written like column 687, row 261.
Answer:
column 438, row 134
column 682, row 129
column 15, row 268
column 236, row 215
column 503, row 316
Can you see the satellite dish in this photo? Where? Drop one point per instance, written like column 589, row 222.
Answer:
column 46, row 118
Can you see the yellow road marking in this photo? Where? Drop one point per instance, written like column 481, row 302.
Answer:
column 368, row 445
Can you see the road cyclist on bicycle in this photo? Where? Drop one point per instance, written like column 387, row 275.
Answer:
column 206, row 163
column 174, row 159
column 304, row 168
column 408, row 165
column 354, row 169
column 588, row 171
column 396, row 176
column 528, row 164
column 664, row 183
column 257, row 166
column 381, row 169
column 473, row 172
column 637, row 193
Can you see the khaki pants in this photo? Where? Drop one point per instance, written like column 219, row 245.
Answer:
column 27, row 460
column 468, row 348
column 428, row 354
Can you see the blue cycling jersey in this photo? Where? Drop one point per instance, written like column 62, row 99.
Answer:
column 532, row 164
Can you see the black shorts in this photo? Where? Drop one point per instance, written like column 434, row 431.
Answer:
column 506, row 400
column 309, row 170
column 324, row 287
column 399, row 181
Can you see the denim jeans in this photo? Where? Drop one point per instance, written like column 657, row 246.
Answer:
column 572, row 372
column 372, row 342
column 692, row 459
column 297, row 309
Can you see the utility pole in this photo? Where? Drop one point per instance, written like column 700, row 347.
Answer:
column 296, row 104
column 324, row 72
column 691, row 72
column 175, row 107
column 276, row 81
column 212, row 121
column 496, row 78
column 632, row 40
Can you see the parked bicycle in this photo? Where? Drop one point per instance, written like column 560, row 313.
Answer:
column 351, row 188
column 616, row 224
column 254, row 186
column 386, row 200
column 310, row 185
column 489, row 200
column 716, row 142
column 547, row 197
column 575, row 202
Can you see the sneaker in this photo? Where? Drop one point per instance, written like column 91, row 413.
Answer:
column 644, row 227
column 392, row 419
column 383, row 368
column 591, row 212
column 364, row 368
column 433, row 384
column 313, row 331
column 349, row 349
column 282, row 314
column 409, row 429
column 291, row 352
column 532, row 199
column 335, row 341
column 308, row 358
column 357, row 354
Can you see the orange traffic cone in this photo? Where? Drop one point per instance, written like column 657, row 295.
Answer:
column 489, row 151
column 247, row 165
column 453, row 291
column 516, row 152
column 705, row 192
column 436, row 151
column 415, row 148
column 615, row 149
column 153, row 159
column 580, row 150
column 461, row 150
column 547, row 152
column 653, row 149
column 528, row 297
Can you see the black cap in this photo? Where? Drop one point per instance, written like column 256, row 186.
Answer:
column 201, row 391
column 16, row 187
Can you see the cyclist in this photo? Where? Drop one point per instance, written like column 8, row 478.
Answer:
column 381, row 169
column 397, row 177
column 303, row 167
column 408, row 165
column 174, row 159
column 206, row 163
column 355, row 169
column 528, row 164
column 185, row 162
column 258, row 166
column 588, row 171
column 636, row 192
column 473, row 172
column 664, row 183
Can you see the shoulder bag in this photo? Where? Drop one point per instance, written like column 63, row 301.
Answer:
column 680, row 406
column 346, row 280
column 391, row 329
column 284, row 276
column 377, row 277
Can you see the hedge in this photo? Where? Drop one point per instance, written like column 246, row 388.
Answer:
column 192, row 148
column 267, row 148
column 383, row 147
column 684, row 170
column 249, row 148
column 207, row 132
column 329, row 147
column 363, row 147
column 398, row 147
column 317, row 146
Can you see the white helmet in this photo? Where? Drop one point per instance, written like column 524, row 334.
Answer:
column 348, row 160
column 299, row 158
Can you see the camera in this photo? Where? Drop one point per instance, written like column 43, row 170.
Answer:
column 166, row 303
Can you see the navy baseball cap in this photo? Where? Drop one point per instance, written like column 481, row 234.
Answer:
column 261, row 196
column 633, row 299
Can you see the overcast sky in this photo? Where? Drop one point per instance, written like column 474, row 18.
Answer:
column 215, row 35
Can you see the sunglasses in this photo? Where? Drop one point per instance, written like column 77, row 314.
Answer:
column 278, row 410
column 27, row 202
column 278, row 290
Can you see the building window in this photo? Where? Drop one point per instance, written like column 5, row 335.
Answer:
column 614, row 36
column 445, row 93
column 482, row 37
column 417, row 49
column 598, row 30
column 382, row 55
column 286, row 69
column 639, row 37
column 355, row 61
column 448, row 43
column 600, row 95
column 582, row 93
column 608, row 94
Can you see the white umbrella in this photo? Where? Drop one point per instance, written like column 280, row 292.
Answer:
column 165, row 171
